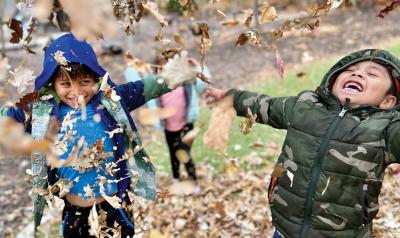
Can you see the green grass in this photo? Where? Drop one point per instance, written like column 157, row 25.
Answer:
column 239, row 144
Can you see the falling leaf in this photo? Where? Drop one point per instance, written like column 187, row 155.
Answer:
column 116, row 130
column 178, row 39
column 388, row 8
column 170, row 53
column 114, row 201
column 27, row 99
column 249, row 19
column 300, row 74
column 31, row 27
column 190, row 135
column 252, row 37
column 153, row 8
column 178, row 70
column 231, row 23
column 205, row 42
column 217, row 134
column 221, row 13
column 60, row 58
column 16, row 26
column 148, row 116
column 23, row 79
column 279, row 63
column 268, row 14
column 247, row 124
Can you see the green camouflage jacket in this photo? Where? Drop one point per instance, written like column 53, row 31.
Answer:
column 333, row 159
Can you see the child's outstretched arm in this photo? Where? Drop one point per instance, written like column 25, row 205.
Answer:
column 271, row 111
column 177, row 71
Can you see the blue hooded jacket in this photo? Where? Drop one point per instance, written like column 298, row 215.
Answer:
column 132, row 95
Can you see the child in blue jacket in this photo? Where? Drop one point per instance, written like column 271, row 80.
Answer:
column 97, row 139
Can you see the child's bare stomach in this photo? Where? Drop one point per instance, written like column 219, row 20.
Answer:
column 82, row 202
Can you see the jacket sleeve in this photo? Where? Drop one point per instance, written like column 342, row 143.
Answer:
column 271, row 111
column 15, row 113
column 135, row 94
column 393, row 141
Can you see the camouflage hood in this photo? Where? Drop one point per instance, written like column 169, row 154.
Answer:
column 381, row 57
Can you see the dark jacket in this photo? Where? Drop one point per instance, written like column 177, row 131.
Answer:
column 333, row 158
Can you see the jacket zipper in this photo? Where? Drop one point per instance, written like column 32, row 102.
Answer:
column 316, row 170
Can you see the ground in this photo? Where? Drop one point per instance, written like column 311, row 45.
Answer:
column 339, row 33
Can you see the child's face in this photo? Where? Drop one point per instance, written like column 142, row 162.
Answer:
column 69, row 91
column 365, row 82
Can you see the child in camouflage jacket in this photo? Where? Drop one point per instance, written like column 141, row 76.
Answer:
column 340, row 138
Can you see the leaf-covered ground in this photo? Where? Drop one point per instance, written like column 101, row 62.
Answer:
column 232, row 203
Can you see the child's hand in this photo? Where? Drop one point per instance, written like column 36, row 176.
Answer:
column 214, row 94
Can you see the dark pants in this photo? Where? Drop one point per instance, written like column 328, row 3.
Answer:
column 174, row 141
column 75, row 220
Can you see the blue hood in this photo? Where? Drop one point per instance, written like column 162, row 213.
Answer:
column 75, row 51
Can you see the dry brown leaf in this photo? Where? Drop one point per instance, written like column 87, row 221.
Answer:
column 16, row 141
column 247, row 124
column 231, row 23
column 217, row 134
column 268, row 14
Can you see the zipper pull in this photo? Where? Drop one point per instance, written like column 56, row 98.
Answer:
column 345, row 107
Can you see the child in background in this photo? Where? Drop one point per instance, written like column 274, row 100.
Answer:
column 97, row 141
column 184, row 101
column 340, row 139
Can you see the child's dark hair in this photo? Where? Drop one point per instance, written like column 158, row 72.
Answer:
column 74, row 71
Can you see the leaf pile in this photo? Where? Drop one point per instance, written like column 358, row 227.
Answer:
column 230, row 205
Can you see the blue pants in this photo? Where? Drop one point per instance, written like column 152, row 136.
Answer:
column 276, row 234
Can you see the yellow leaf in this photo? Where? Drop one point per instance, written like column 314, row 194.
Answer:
column 268, row 14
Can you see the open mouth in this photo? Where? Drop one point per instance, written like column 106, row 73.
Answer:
column 353, row 86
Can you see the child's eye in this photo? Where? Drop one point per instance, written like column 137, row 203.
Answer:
column 372, row 74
